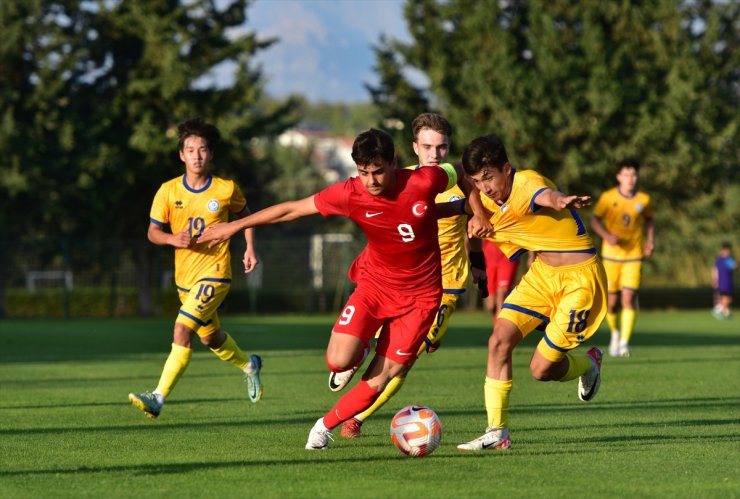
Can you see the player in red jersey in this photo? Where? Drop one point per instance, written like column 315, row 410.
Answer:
column 398, row 274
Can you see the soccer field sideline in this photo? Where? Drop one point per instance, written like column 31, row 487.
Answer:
column 666, row 423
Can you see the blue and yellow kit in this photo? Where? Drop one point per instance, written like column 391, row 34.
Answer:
column 570, row 300
column 202, row 275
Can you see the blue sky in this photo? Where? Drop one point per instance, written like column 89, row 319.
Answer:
column 324, row 51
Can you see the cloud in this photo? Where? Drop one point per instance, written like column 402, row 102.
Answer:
column 324, row 49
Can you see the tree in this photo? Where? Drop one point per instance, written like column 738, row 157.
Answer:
column 574, row 86
column 92, row 88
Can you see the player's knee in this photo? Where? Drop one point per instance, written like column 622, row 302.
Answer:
column 338, row 364
column 540, row 373
column 500, row 344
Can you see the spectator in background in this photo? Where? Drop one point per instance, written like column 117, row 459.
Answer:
column 724, row 265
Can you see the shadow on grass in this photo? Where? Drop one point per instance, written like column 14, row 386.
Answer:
column 86, row 339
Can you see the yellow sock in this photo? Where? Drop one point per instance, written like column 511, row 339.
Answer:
column 628, row 322
column 611, row 319
column 390, row 390
column 496, row 394
column 230, row 352
column 578, row 365
column 175, row 365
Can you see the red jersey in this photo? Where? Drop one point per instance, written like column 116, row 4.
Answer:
column 402, row 253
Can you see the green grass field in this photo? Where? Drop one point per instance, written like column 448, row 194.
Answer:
column 666, row 422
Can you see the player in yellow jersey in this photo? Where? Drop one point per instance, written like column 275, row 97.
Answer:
column 188, row 204
column 622, row 217
column 564, row 289
column 431, row 133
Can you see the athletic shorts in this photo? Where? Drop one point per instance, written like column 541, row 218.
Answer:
column 570, row 301
column 200, row 305
column 623, row 275
column 500, row 272
column 405, row 320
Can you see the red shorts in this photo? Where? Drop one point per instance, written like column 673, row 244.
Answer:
column 405, row 320
column 500, row 272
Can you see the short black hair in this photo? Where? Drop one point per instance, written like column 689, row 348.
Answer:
column 485, row 151
column 372, row 147
column 726, row 245
column 198, row 128
column 628, row 163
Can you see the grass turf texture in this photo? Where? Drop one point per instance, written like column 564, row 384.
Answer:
column 666, row 422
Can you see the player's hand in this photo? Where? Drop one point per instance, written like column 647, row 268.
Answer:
column 569, row 202
column 611, row 239
column 649, row 247
column 181, row 239
column 479, row 227
column 216, row 234
column 250, row 261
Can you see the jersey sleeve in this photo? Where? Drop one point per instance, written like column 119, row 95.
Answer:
column 601, row 206
column 333, row 199
column 532, row 186
column 159, row 214
column 237, row 201
column 648, row 211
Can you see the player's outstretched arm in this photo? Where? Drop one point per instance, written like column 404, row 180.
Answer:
column 550, row 198
column 283, row 212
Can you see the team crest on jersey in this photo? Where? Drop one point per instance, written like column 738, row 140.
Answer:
column 454, row 197
column 178, row 204
column 213, row 205
column 419, row 208
column 639, row 207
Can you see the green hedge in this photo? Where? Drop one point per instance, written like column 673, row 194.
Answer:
column 97, row 302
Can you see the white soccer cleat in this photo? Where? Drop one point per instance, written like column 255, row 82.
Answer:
column 589, row 383
column 147, row 402
column 318, row 438
column 624, row 350
column 252, row 378
column 337, row 381
column 614, row 344
column 492, row 439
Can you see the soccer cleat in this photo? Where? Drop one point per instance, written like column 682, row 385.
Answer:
column 337, row 381
column 614, row 344
column 492, row 439
column 588, row 384
column 146, row 402
column 318, row 438
column 352, row 428
column 624, row 350
column 252, row 378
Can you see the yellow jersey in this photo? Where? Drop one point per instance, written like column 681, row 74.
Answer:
column 520, row 225
column 452, row 231
column 183, row 208
column 624, row 217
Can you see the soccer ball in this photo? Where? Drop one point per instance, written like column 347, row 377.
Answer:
column 416, row 430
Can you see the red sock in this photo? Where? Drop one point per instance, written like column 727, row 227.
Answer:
column 353, row 402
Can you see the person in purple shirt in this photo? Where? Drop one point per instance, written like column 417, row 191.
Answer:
column 724, row 265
